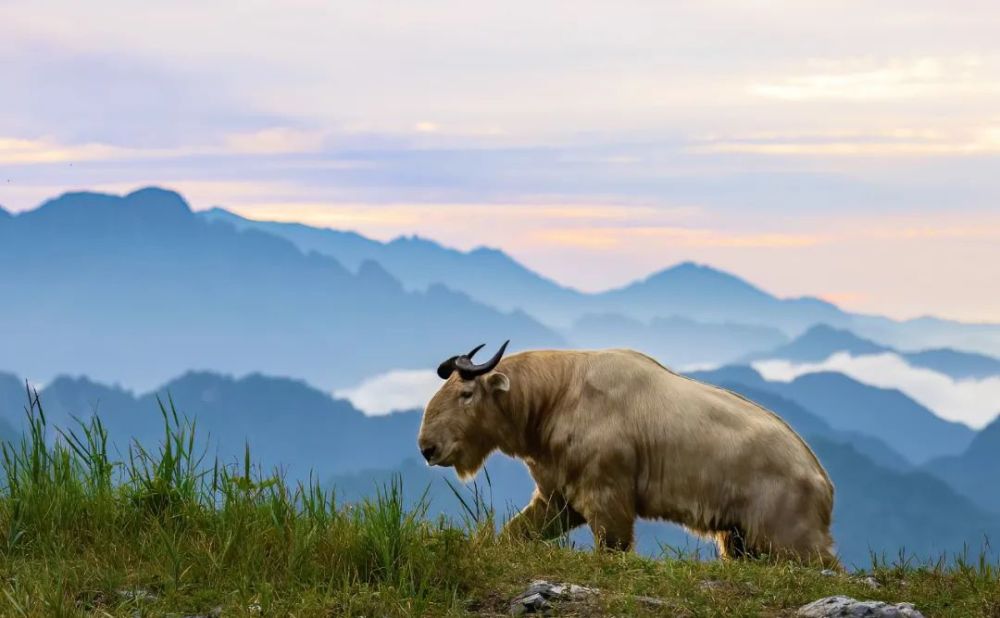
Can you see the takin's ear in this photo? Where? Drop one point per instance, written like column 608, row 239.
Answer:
column 497, row 382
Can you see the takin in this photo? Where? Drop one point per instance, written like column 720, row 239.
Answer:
column 611, row 435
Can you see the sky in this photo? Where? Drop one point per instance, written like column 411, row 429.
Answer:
column 844, row 149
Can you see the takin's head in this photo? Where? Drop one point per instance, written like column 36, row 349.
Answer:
column 460, row 421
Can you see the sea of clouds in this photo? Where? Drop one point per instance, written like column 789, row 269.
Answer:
column 973, row 402
column 402, row 389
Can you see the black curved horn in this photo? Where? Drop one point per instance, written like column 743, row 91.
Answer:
column 474, row 350
column 468, row 370
column 446, row 368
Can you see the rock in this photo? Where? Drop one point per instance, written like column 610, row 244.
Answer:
column 828, row 573
column 870, row 581
column 137, row 595
column 540, row 594
column 651, row 601
column 846, row 607
column 215, row 612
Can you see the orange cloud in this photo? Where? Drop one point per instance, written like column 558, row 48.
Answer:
column 612, row 237
column 864, row 79
column 886, row 143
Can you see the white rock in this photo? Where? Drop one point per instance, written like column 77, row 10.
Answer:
column 846, row 607
column 540, row 594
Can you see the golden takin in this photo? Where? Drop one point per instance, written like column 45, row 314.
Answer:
column 612, row 435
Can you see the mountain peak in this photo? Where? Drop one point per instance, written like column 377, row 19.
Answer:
column 698, row 283
column 150, row 203
column 163, row 200
column 700, row 274
column 824, row 334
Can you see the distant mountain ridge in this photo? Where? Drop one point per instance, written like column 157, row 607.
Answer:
column 822, row 341
column 488, row 275
column 137, row 288
column 287, row 422
column 687, row 290
column 975, row 473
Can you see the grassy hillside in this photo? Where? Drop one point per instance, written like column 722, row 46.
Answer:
column 168, row 532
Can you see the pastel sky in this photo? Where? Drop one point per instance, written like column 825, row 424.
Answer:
column 840, row 148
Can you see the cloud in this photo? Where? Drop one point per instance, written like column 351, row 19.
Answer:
column 973, row 402
column 606, row 238
column 865, row 79
column 393, row 391
column 269, row 141
column 274, row 140
column 978, row 140
column 14, row 151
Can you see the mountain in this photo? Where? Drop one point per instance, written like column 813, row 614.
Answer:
column 885, row 512
column 676, row 341
column 850, row 406
column 286, row 422
column 819, row 343
column 957, row 364
column 138, row 288
column 690, row 289
column 487, row 275
column 687, row 290
column 976, row 472
column 822, row 341
column 493, row 277
column 13, row 397
column 929, row 333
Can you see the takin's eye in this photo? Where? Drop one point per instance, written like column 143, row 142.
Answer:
column 465, row 396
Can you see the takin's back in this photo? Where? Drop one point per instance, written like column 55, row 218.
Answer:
column 687, row 433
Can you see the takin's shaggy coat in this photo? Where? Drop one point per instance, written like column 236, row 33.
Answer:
column 613, row 435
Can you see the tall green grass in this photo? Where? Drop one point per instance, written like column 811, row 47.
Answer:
column 205, row 520
column 171, row 530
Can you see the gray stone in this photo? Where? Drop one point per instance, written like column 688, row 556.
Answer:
column 137, row 595
column 651, row 601
column 540, row 595
column 215, row 612
column 846, row 607
column 871, row 582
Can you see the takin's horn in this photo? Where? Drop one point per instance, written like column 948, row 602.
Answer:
column 446, row 368
column 468, row 370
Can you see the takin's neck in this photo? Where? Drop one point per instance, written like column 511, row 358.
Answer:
column 539, row 390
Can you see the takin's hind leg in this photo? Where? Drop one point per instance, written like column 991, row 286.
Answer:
column 801, row 542
column 733, row 545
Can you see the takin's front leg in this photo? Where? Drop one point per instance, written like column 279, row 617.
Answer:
column 543, row 518
column 610, row 511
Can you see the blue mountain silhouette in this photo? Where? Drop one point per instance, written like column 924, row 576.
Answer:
column 138, row 288
column 976, row 472
column 699, row 293
column 821, row 341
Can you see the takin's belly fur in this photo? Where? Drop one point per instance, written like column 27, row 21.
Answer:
column 770, row 515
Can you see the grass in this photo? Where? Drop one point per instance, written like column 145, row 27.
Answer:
column 170, row 532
